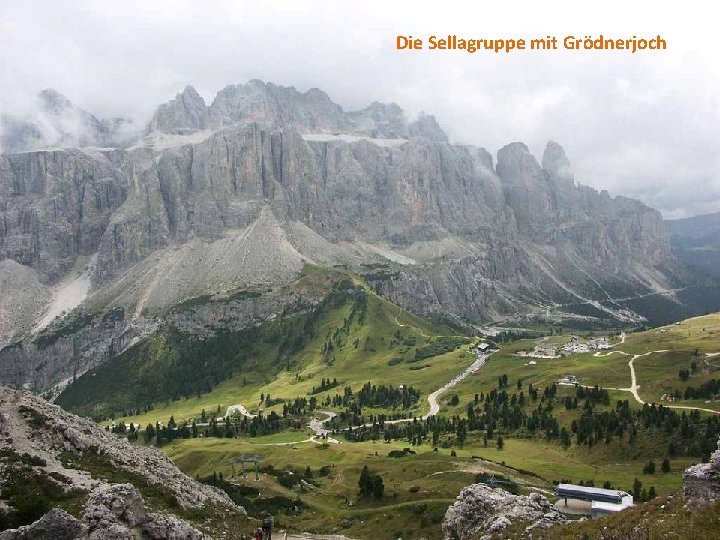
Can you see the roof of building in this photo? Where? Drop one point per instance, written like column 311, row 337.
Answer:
column 590, row 491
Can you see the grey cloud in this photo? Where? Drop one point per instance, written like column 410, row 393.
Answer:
column 646, row 126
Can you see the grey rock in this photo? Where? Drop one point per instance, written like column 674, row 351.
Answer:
column 57, row 524
column 381, row 120
column 74, row 437
column 481, row 510
column 62, row 435
column 112, row 512
column 276, row 106
column 701, row 482
column 115, row 502
column 427, row 126
column 186, row 112
column 21, row 301
column 170, row 528
column 112, row 531
column 55, row 207
column 557, row 166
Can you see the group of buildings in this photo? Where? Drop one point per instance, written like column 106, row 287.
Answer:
column 574, row 346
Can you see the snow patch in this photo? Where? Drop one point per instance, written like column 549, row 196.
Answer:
column 158, row 140
column 346, row 137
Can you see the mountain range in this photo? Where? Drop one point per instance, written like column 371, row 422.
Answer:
column 102, row 236
column 696, row 241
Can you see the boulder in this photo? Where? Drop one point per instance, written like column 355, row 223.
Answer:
column 57, row 524
column 701, row 483
column 481, row 510
column 112, row 512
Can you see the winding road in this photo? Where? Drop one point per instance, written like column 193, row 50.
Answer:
column 433, row 399
column 322, row 434
column 634, row 386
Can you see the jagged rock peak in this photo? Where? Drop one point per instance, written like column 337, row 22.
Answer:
column 277, row 106
column 425, row 125
column 381, row 120
column 388, row 120
column 556, row 164
column 53, row 100
column 515, row 164
column 54, row 121
column 187, row 111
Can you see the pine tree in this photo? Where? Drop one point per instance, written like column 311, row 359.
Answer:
column 378, row 488
column 365, row 482
column 637, row 488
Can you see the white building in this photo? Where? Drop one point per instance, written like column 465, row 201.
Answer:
column 602, row 501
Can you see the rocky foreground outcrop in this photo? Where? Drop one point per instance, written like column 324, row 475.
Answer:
column 701, row 482
column 40, row 444
column 115, row 512
column 481, row 511
column 31, row 425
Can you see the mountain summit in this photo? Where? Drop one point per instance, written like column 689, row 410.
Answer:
column 55, row 122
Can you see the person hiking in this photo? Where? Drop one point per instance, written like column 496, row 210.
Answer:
column 258, row 534
column 267, row 527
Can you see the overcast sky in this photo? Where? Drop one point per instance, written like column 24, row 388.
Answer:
column 644, row 125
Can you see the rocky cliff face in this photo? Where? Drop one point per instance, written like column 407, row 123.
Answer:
column 241, row 194
column 56, row 206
